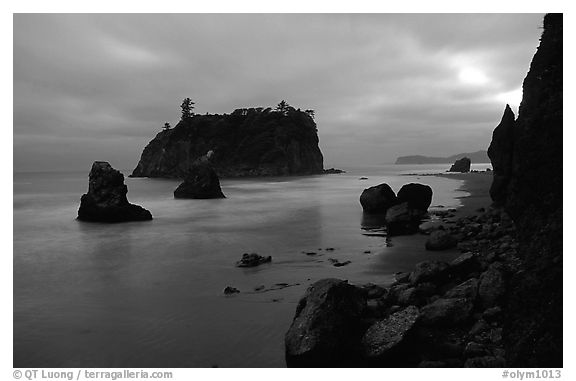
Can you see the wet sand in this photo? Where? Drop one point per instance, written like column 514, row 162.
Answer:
column 477, row 184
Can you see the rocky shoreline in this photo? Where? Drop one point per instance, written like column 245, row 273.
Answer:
column 441, row 314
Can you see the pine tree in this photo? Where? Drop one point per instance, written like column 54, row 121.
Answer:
column 187, row 107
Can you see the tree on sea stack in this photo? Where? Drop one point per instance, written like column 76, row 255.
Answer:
column 283, row 107
column 187, row 107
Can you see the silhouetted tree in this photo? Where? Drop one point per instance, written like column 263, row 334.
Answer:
column 310, row 112
column 166, row 126
column 187, row 107
column 283, row 107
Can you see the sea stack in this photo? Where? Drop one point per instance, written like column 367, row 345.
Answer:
column 106, row 198
column 500, row 153
column 201, row 181
column 461, row 165
column 247, row 142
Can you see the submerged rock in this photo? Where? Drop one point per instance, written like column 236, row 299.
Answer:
column 229, row 290
column 253, row 260
column 323, row 326
column 461, row 165
column 106, row 198
column 201, row 182
column 377, row 199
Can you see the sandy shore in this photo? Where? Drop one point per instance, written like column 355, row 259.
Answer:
column 477, row 184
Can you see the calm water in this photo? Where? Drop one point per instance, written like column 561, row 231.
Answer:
column 149, row 294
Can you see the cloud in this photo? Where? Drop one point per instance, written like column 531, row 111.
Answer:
column 385, row 84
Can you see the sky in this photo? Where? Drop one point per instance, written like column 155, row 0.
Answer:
column 100, row 86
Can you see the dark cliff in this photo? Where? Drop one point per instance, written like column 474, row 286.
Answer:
column 248, row 142
column 534, row 200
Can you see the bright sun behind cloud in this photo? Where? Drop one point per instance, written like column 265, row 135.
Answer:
column 472, row 76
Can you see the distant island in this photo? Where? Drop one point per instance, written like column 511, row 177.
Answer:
column 475, row 157
column 248, row 142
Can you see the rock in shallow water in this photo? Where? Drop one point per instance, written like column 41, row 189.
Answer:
column 418, row 196
column 322, row 328
column 377, row 199
column 201, row 183
column 252, row 260
column 106, row 198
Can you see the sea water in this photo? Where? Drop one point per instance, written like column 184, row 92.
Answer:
column 149, row 294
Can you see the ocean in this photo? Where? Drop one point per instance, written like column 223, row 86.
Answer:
column 149, row 294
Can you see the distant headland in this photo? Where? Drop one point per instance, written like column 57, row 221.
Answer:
column 475, row 157
column 248, row 142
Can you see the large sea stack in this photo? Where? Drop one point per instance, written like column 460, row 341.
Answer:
column 248, row 142
column 533, row 198
column 106, row 198
column 500, row 153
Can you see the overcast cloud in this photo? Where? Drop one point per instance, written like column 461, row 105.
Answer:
column 99, row 87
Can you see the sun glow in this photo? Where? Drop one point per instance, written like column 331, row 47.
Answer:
column 472, row 76
column 513, row 98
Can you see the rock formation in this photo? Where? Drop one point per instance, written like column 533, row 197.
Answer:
column 248, row 142
column 323, row 325
column 418, row 196
column 533, row 199
column 438, row 315
column 377, row 199
column 201, row 182
column 500, row 153
column 461, row 165
column 106, row 198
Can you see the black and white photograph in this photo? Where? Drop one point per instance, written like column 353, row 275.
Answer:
column 301, row 190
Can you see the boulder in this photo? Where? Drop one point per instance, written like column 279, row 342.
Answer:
column 492, row 285
column 106, row 199
column 465, row 264
column 467, row 289
column 461, row 165
column 500, row 153
column 252, row 260
column 201, row 182
column 324, row 325
column 418, row 196
column 440, row 240
column 388, row 340
column 446, row 312
column 429, row 271
column 377, row 199
column 401, row 219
